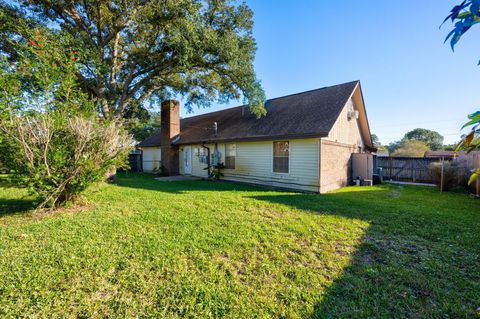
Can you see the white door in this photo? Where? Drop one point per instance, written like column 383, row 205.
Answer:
column 187, row 159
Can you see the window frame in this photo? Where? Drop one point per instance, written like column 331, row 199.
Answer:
column 273, row 156
column 234, row 157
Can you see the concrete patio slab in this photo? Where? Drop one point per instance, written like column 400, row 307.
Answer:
column 409, row 183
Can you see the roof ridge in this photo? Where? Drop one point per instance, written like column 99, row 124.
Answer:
column 313, row 90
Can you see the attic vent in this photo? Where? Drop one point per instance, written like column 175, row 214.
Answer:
column 353, row 115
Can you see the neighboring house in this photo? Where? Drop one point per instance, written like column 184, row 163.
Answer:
column 382, row 154
column 448, row 155
column 305, row 142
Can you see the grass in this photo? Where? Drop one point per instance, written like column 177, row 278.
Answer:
column 145, row 248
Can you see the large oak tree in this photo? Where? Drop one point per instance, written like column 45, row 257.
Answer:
column 131, row 52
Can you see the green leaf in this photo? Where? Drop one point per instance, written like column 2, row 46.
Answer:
column 471, row 122
column 474, row 176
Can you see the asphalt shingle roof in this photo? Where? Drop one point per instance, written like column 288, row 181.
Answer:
column 301, row 115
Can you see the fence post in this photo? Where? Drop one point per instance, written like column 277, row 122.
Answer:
column 391, row 164
column 441, row 176
column 413, row 170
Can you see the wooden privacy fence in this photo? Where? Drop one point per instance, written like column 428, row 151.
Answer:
column 407, row 169
column 135, row 161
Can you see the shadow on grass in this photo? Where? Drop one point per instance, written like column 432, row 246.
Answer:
column 15, row 205
column 148, row 182
column 418, row 258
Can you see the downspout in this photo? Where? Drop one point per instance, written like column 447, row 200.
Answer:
column 208, row 158
column 319, row 165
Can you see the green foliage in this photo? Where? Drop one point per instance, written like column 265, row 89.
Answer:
column 197, row 249
column 375, row 140
column 53, row 141
column 454, row 174
column 393, row 146
column 382, row 149
column 57, row 155
column 411, row 148
column 143, row 127
column 217, row 171
column 450, row 147
column 134, row 52
column 465, row 15
column 433, row 139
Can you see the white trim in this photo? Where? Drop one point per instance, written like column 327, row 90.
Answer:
column 187, row 160
column 289, row 157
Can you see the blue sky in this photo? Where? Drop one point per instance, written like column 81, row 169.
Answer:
column 409, row 77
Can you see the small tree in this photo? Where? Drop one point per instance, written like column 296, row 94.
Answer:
column 52, row 139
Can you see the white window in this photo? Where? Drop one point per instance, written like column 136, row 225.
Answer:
column 230, row 154
column 201, row 154
column 281, row 155
column 216, row 157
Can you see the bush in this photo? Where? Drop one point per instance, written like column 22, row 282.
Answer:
column 51, row 137
column 217, row 171
column 454, row 174
column 411, row 148
column 57, row 156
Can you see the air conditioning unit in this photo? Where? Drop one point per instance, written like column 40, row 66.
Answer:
column 353, row 115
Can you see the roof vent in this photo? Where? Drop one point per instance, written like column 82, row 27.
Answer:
column 215, row 128
column 353, row 115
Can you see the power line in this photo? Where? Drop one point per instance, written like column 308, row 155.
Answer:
column 419, row 123
column 400, row 137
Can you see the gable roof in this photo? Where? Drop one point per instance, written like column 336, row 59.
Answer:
column 151, row 141
column 302, row 115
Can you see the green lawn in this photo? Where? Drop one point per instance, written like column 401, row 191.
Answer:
column 200, row 249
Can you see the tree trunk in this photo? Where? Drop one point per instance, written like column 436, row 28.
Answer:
column 111, row 174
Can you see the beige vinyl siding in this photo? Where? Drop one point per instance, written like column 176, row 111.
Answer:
column 254, row 164
column 151, row 157
column 181, row 160
column 198, row 168
column 346, row 131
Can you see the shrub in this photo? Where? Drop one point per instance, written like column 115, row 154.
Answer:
column 217, row 171
column 454, row 174
column 411, row 148
column 57, row 156
column 51, row 137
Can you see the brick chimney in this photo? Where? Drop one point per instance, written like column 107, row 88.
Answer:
column 169, row 128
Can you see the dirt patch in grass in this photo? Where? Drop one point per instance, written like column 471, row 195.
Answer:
column 71, row 210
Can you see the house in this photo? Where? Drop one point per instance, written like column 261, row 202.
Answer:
column 448, row 155
column 305, row 142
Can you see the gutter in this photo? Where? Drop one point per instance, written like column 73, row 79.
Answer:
column 254, row 138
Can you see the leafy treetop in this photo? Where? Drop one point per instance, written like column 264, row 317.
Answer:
column 432, row 138
column 133, row 52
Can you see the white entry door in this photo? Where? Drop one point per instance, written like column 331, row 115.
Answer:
column 187, row 159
